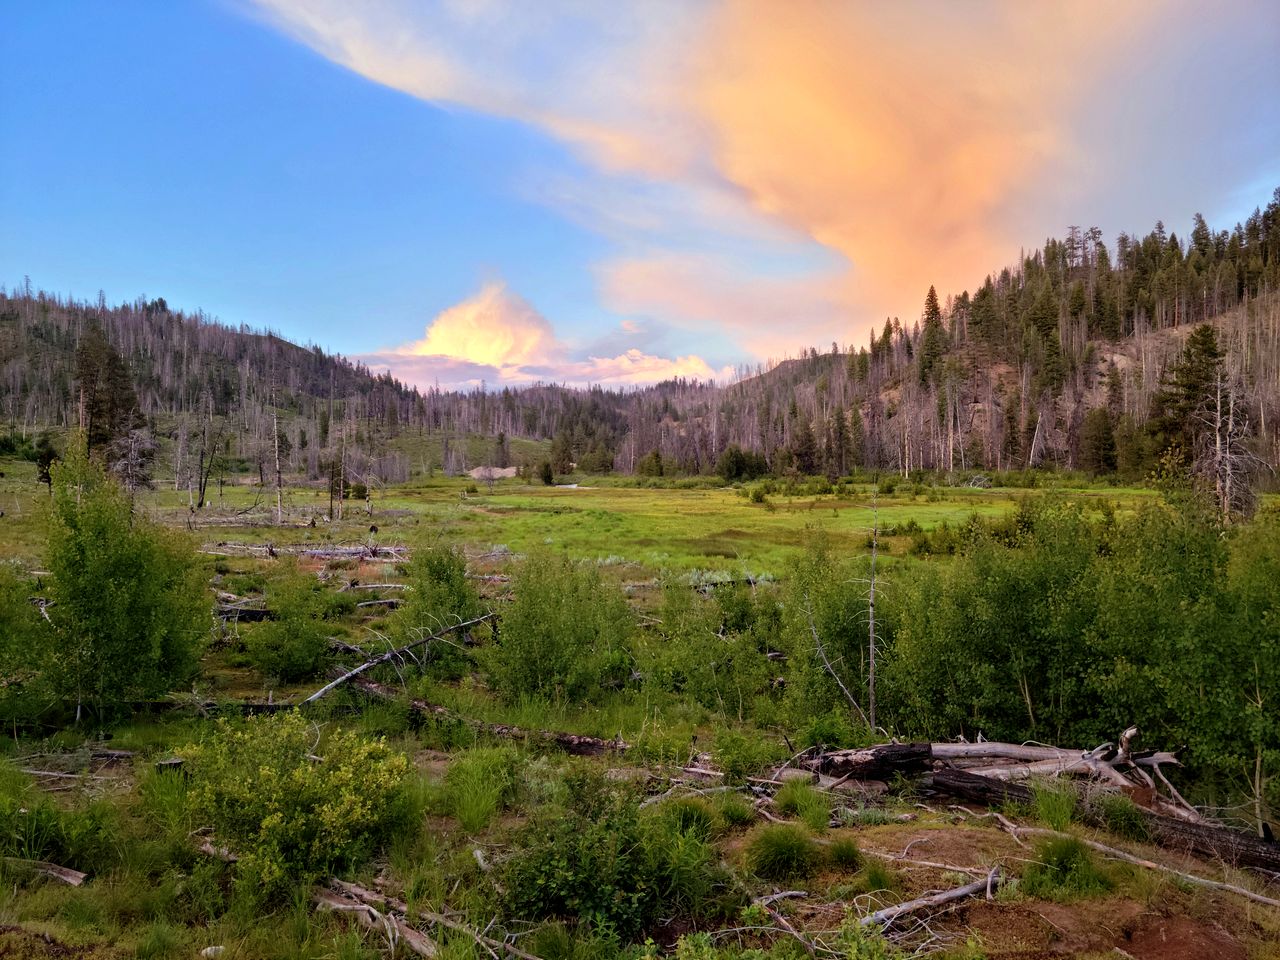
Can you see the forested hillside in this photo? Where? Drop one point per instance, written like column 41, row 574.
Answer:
column 1079, row 355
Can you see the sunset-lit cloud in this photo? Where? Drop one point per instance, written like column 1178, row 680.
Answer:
column 497, row 338
column 786, row 174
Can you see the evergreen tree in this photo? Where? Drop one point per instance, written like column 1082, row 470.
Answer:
column 804, row 447
column 933, row 341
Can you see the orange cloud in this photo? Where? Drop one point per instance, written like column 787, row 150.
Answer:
column 897, row 134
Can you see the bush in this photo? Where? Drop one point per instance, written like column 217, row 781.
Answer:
column 293, row 646
column 599, row 862
column 130, row 607
column 292, row 816
column 1064, row 869
column 566, row 634
column 781, row 851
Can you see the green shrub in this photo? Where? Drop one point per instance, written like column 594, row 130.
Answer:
column 566, row 634
column 293, row 646
column 844, row 853
column 478, row 784
column 781, row 851
column 130, row 607
column 585, row 863
column 289, row 814
column 1064, row 869
column 439, row 595
column 598, row 862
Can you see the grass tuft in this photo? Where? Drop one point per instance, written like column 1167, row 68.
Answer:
column 782, row 851
column 799, row 799
column 1055, row 804
column 844, row 853
column 1064, row 869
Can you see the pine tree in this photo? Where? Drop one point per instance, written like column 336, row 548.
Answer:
column 933, row 341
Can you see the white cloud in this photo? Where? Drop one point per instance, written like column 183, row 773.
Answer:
column 497, row 338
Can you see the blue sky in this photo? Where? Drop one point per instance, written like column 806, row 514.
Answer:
column 497, row 191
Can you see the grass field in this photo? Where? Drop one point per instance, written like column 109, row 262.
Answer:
column 671, row 529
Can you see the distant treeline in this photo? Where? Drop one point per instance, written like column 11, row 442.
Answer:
column 1069, row 359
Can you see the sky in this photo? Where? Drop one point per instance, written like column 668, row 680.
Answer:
column 497, row 192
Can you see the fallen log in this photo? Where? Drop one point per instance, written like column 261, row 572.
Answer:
column 880, row 762
column 573, row 743
column 65, row 875
column 396, row 929
column 390, row 905
column 391, row 655
column 1234, row 847
column 231, row 611
column 883, row 918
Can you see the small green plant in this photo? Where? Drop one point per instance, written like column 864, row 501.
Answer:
column 1064, row 869
column 782, row 851
column 844, row 853
column 865, row 817
column 1055, row 804
column 858, row 942
column 799, row 799
column 740, row 756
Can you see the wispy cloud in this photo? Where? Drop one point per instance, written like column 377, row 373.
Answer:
column 497, row 338
column 871, row 148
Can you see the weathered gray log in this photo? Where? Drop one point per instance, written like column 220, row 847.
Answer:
column 574, row 743
column 65, row 875
column 396, row 929
column 880, row 762
column 1223, row 843
column 986, row 886
column 394, row 655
